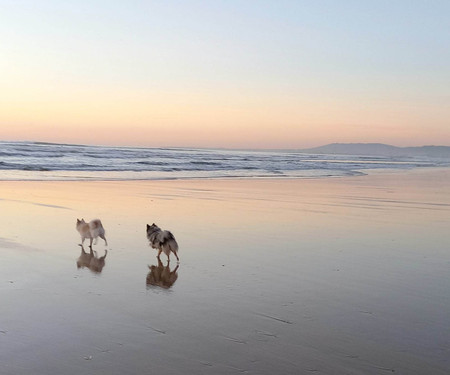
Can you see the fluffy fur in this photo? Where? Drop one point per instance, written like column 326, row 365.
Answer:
column 91, row 230
column 162, row 240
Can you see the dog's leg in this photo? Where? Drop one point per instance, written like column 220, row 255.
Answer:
column 178, row 259
column 159, row 253
column 102, row 236
column 90, row 245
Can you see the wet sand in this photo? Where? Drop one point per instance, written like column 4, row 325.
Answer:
column 328, row 276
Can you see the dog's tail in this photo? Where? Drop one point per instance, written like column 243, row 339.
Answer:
column 95, row 224
column 97, row 229
column 169, row 244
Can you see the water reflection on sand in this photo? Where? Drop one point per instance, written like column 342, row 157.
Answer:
column 91, row 260
column 337, row 276
column 162, row 276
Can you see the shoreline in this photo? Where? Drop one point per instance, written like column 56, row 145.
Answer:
column 350, row 174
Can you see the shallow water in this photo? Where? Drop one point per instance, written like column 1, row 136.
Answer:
column 341, row 276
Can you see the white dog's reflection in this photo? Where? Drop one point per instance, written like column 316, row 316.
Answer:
column 161, row 275
column 91, row 260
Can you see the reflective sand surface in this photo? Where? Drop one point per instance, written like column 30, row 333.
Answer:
column 334, row 276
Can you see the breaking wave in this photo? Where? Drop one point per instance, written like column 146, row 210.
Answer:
column 48, row 161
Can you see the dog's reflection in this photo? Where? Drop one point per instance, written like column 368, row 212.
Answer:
column 91, row 260
column 161, row 275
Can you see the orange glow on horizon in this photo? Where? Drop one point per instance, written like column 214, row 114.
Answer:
column 231, row 120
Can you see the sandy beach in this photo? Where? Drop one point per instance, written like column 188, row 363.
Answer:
column 327, row 276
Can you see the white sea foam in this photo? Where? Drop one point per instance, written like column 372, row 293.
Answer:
column 44, row 161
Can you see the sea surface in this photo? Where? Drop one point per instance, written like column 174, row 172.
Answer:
column 49, row 161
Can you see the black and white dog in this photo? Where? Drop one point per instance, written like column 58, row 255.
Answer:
column 162, row 240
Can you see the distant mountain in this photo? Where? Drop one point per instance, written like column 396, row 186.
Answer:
column 379, row 149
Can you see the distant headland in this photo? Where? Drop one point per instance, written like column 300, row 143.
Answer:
column 379, row 149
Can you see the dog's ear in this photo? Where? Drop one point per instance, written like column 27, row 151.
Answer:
column 153, row 224
column 82, row 220
column 148, row 226
column 78, row 221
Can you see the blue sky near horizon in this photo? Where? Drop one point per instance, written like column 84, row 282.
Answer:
column 225, row 74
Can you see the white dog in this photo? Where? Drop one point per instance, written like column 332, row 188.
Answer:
column 91, row 230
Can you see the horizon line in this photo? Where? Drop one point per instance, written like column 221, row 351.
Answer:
column 219, row 148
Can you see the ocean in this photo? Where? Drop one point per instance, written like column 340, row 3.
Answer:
column 50, row 161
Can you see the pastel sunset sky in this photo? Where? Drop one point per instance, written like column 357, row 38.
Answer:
column 236, row 74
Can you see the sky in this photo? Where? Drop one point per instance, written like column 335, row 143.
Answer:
column 233, row 74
